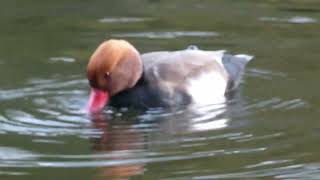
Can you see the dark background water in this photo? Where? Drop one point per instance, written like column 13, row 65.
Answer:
column 270, row 130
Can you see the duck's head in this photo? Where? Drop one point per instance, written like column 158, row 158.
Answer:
column 114, row 66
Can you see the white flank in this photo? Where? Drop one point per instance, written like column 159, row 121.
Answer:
column 217, row 56
column 208, row 89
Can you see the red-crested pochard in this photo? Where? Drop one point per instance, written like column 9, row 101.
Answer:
column 120, row 76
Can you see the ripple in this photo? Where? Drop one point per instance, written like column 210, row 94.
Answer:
column 9, row 153
column 166, row 35
column 251, row 137
column 290, row 104
column 36, row 127
column 269, row 163
column 301, row 9
column 47, row 141
column 298, row 171
column 55, row 109
column 292, row 20
column 264, row 74
column 42, row 88
column 124, row 19
column 63, row 59
column 209, row 117
column 278, row 103
column 192, row 119
column 13, row 173
column 105, row 162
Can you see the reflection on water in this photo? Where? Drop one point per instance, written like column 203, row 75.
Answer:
column 122, row 142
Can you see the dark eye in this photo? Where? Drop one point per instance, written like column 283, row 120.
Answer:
column 107, row 75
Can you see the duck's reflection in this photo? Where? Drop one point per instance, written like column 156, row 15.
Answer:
column 122, row 140
column 119, row 140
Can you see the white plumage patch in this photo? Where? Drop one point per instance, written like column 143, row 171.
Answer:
column 217, row 56
column 207, row 88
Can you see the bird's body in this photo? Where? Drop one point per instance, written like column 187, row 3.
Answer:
column 183, row 77
column 174, row 78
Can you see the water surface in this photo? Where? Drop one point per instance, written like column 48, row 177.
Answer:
column 269, row 129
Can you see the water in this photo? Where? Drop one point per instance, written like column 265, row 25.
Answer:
column 269, row 129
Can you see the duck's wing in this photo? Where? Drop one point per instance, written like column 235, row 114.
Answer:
column 181, row 66
column 189, row 62
column 190, row 74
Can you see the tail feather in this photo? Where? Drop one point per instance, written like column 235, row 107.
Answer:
column 244, row 57
column 235, row 66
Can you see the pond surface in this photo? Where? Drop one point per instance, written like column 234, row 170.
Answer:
column 269, row 130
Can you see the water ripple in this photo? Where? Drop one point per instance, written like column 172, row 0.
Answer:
column 298, row 171
column 63, row 59
column 124, row 19
column 105, row 162
column 292, row 20
column 269, row 163
column 277, row 103
column 166, row 35
column 264, row 74
column 46, row 87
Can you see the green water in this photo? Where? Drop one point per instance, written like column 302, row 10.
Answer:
column 270, row 130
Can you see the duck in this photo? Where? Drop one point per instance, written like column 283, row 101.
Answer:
column 120, row 76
